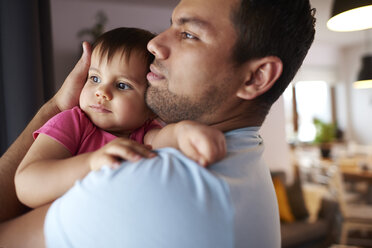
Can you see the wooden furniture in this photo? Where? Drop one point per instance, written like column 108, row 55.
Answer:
column 355, row 216
column 344, row 166
column 359, row 175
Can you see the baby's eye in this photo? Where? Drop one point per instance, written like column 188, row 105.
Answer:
column 123, row 86
column 95, row 79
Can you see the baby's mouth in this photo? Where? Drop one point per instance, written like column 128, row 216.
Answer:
column 99, row 108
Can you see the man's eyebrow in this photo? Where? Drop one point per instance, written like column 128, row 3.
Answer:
column 193, row 21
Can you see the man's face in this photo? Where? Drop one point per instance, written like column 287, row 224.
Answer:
column 192, row 76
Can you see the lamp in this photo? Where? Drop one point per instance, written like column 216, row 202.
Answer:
column 364, row 79
column 350, row 15
column 365, row 74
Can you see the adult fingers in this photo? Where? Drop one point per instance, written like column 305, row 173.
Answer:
column 68, row 95
column 80, row 70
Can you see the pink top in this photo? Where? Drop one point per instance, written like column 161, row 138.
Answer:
column 74, row 130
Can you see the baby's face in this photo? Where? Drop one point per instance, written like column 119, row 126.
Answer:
column 114, row 94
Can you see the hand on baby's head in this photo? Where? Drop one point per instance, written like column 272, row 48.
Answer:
column 206, row 145
column 67, row 96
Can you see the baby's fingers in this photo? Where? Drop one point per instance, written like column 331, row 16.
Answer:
column 130, row 150
column 143, row 151
column 210, row 151
column 104, row 159
column 192, row 152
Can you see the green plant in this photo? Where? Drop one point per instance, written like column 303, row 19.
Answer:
column 325, row 132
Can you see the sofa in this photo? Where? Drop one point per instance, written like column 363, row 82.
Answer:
column 297, row 230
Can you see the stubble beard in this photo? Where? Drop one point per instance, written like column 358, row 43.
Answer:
column 172, row 108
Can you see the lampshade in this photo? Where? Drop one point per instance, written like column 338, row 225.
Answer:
column 365, row 74
column 350, row 15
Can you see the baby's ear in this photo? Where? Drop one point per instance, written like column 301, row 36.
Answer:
column 260, row 77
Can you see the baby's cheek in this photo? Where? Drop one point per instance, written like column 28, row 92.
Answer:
column 83, row 97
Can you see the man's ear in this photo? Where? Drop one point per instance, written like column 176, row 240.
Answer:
column 261, row 74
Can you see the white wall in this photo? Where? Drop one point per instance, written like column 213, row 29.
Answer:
column 339, row 66
column 276, row 152
column 360, row 100
column 340, row 52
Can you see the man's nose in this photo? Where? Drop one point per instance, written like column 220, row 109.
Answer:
column 104, row 92
column 158, row 46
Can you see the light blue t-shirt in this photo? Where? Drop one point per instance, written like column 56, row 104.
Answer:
column 171, row 202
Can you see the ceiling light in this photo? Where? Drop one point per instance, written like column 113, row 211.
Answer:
column 365, row 74
column 350, row 15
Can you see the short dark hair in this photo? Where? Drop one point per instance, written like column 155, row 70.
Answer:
column 282, row 28
column 125, row 40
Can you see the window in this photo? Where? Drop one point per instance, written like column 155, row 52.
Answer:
column 304, row 101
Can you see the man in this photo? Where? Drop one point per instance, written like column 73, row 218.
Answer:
column 222, row 63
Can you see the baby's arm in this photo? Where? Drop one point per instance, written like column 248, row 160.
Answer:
column 199, row 142
column 49, row 169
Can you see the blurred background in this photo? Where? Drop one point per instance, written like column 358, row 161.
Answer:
column 41, row 42
column 61, row 25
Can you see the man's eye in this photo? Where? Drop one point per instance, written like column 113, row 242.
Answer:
column 124, row 86
column 186, row 35
column 95, row 79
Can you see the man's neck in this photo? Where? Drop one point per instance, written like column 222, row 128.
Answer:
column 238, row 122
column 245, row 114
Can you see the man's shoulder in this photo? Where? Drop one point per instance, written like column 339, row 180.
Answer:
column 170, row 173
column 167, row 201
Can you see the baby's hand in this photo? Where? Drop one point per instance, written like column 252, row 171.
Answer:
column 199, row 142
column 118, row 150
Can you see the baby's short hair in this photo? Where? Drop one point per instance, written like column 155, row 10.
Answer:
column 126, row 41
